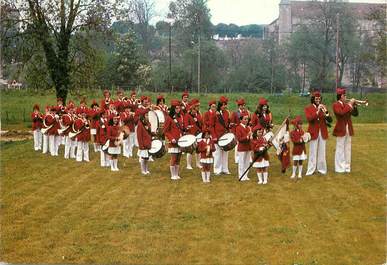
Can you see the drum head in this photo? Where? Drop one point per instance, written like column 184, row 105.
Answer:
column 226, row 139
column 186, row 140
column 156, row 145
column 199, row 137
column 153, row 120
column 160, row 116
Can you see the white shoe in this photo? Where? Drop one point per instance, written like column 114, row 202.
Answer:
column 189, row 167
column 147, row 172
column 264, row 183
column 260, row 182
column 299, row 176
column 227, row 173
column 292, row 176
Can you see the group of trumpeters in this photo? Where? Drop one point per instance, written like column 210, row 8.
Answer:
column 118, row 126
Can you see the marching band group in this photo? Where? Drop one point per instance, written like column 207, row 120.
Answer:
column 117, row 126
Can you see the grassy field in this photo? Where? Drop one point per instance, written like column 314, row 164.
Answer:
column 17, row 105
column 59, row 211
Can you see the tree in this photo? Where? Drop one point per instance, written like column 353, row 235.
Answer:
column 54, row 24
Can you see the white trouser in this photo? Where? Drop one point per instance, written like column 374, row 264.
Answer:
column 45, row 143
column 73, row 147
column 135, row 138
column 220, row 160
column 53, row 144
column 132, row 140
column 236, row 154
column 189, row 160
column 317, row 156
column 125, row 147
column 37, row 140
column 343, row 154
column 82, row 147
column 58, row 142
column 243, row 163
column 68, row 145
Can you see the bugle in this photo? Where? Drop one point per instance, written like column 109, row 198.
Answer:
column 360, row 102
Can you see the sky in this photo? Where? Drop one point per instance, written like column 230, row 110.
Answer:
column 239, row 12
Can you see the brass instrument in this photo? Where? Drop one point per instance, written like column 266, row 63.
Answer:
column 324, row 109
column 360, row 102
column 44, row 130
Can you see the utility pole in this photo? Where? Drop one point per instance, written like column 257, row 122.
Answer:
column 199, row 65
column 337, row 50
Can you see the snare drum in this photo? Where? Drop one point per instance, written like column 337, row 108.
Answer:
column 187, row 143
column 227, row 142
column 157, row 149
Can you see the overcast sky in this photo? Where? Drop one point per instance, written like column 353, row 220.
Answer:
column 240, row 12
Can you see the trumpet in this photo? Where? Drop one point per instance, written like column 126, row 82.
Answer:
column 324, row 109
column 360, row 102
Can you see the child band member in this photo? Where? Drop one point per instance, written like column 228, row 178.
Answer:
column 299, row 151
column 37, row 119
column 144, row 138
column 113, row 134
column 244, row 136
column 259, row 146
column 173, row 130
column 206, row 147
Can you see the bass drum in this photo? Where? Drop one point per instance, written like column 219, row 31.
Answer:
column 187, row 143
column 154, row 121
column 306, row 137
column 157, row 149
column 227, row 142
column 199, row 137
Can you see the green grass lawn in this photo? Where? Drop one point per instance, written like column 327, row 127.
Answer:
column 59, row 211
column 16, row 106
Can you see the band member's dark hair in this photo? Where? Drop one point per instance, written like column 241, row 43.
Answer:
column 255, row 134
column 312, row 99
column 220, row 105
column 111, row 122
column 338, row 97
column 159, row 100
column 172, row 112
column 258, row 111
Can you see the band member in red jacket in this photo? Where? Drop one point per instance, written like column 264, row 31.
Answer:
column 206, row 147
column 259, row 146
column 160, row 104
column 243, row 134
column 144, row 138
column 37, row 119
column 343, row 130
column 94, row 115
column 235, row 120
column 107, row 100
column 262, row 115
column 318, row 118
column 173, row 130
column 222, row 126
column 209, row 118
column 45, row 146
column 103, row 125
column 67, row 121
column 82, row 128
column 113, row 134
column 299, row 151
column 52, row 121
column 193, row 125
column 184, row 101
column 127, row 120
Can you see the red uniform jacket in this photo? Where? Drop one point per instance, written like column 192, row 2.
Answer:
column 105, row 103
column 173, row 129
column 51, row 120
column 144, row 136
column 209, row 122
column 102, row 131
column 241, row 134
column 94, row 117
column 67, row 121
column 343, row 118
column 84, row 135
column 36, row 120
column 235, row 119
column 193, row 123
column 128, row 120
column 316, row 122
column 258, row 145
column 120, row 105
column 222, row 122
column 202, row 148
column 298, row 143
column 265, row 120
column 113, row 132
